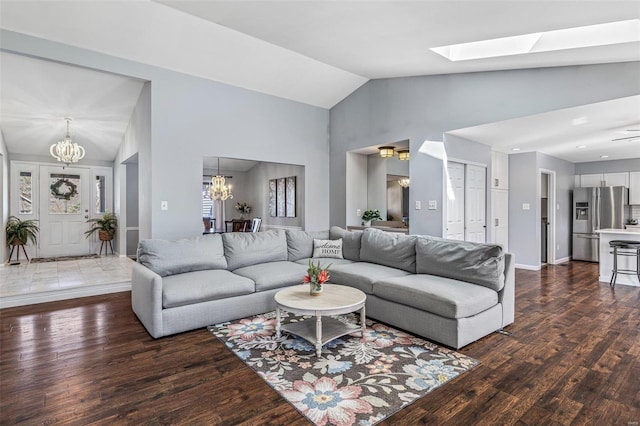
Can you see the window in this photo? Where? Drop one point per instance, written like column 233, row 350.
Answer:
column 101, row 194
column 26, row 193
column 207, row 202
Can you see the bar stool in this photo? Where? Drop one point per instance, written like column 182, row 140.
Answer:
column 629, row 248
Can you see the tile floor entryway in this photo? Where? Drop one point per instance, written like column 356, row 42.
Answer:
column 47, row 281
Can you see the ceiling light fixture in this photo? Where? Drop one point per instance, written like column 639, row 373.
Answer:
column 219, row 190
column 65, row 150
column 515, row 149
column 404, row 182
column 570, row 38
column 581, row 146
column 404, row 155
column 386, row 151
column 604, row 156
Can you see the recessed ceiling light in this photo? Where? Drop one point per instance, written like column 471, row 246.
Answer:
column 604, row 156
column 569, row 38
column 581, row 146
column 515, row 149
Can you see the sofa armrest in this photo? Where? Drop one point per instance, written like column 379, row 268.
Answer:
column 146, row 298
column 507, row 296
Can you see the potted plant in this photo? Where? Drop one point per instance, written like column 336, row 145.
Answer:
column 19, row 232
column 370, row 215
column 105, row 225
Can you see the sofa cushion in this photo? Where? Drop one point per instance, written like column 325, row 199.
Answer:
column 446, row 297
column 273, row 274
column 201, row 286
column 176, row 257
column 362, row 275
column 351, row 241
column 324, row 261
column 300, row 243
column 462, row 260
column 389, row 248
column 328, row 248
column 250, row 248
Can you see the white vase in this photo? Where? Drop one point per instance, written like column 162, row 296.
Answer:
column 366, row 223
column 315, row 290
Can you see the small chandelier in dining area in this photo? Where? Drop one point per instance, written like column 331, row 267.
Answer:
column 219, row 190
column 404, row 182
column 65, row 150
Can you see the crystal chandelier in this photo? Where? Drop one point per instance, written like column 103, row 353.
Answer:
column 219, row 190
column 67, row 151
column 404, row 182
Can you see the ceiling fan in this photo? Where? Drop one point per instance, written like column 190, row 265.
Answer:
column 628, row 137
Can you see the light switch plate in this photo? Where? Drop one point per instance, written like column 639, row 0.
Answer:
column 526, row 206
column 164, row 205
column 433, row 204
column 358, row 212
column 418, row 205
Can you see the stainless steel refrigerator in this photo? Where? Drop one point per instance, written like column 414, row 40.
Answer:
column 596, row 208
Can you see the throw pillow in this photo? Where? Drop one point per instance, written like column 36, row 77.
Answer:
column 328, row 248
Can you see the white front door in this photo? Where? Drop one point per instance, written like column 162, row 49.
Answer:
column 65, row 198
column 475, row 204
column 455, row 207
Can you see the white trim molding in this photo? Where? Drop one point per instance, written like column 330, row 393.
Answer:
column 63, row 294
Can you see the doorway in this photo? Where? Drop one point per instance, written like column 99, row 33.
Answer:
column 64, row 199
column 466, row 213
column 547, row 216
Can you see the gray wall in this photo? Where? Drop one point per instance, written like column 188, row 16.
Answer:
column 377, row 184
column 564, row 171
column 258, row 183
column 419, row 108
column 524, row 187
column 356, row 187
column 613, row 166
column 191, row 118
column 4, row 195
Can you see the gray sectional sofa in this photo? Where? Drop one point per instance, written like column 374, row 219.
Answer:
column 451, row 292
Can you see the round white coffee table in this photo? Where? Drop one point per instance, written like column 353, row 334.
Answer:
column 334, row 300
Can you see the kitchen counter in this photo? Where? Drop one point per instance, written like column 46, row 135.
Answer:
column 624, row 262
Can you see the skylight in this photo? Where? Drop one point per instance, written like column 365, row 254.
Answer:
column 570, row 38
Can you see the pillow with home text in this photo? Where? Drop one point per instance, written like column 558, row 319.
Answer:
column 328, row 248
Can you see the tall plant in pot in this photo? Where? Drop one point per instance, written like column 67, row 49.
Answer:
column 19, row 232
column 105, row 225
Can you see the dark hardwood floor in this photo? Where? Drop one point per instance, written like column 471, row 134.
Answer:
column 574, row 358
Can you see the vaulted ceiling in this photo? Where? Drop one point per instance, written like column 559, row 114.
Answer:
column 314, row 52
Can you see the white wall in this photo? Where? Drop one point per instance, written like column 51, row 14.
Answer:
column 4, row 195
column 356, row 187
column 377, row 184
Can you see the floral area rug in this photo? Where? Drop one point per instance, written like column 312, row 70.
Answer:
column 357, row 380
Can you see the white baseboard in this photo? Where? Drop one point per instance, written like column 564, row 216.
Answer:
column 528, row 267
column 63, row 294
column 563, row 260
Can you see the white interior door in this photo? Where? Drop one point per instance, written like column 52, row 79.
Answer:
column 475, row 219
column 65, row 197
column 455, row 207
